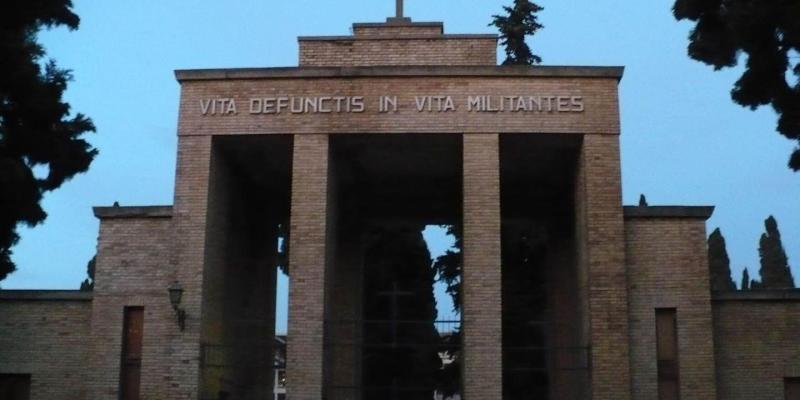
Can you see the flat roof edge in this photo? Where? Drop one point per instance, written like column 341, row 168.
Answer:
column 535, row 71
column 45, row 295
column 444, row 36
column 758, row 295
column 133, row 212
column 698, row 212
column 402, row 23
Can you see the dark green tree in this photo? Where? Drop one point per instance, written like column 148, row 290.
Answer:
column 88, row 283
column 401, row 353
column 719, row 264
column 775, row 271
column 745, row 280
column 448, row 268
column 36, row 127
column 768, row 32
column 519, row 22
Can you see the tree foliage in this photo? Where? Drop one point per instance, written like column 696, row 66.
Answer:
column 775, row 271
column 768, row 32
column 88, row 283
column 400, row 315
column 745, row 280
column 36, row 127
column 518, row 22
column 719, row 264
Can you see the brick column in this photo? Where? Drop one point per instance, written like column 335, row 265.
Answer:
column 190, row 214
column 307, row 267
column 601, row 229
column 481, row 287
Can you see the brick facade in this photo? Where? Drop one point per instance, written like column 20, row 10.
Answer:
column 481, row 282
column 307, row 263
column 132, row 269
column 45, row 334
column 623, row 262
column 756, row 343
column 667, row 268
column 398, row 44
column 604, row 255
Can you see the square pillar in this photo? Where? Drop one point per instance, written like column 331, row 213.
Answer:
column 482, row 284
column 601, row 251
column 190, row 217
column 307, row 240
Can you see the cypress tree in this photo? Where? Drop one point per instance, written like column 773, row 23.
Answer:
column 37, row 127
column 519, row 22
column 745, row 280
column 775, row 271
column 718, row 263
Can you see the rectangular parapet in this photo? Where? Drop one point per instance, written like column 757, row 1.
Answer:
column 133, row 212
column 398, row 28
column 45, row 295
column 695, row 212
column 549, row 71
column 785, row 295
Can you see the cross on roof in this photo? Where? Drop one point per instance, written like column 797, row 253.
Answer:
column 399, row 9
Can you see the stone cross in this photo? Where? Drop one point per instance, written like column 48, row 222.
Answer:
column 399, row 8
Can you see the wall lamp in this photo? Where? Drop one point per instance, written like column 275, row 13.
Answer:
column 175, row 293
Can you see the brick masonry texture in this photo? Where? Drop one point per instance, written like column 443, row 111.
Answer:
column 132, row 269
column 626, row 266
column 398, row 44
column 307, row 266
column 668, row 268
column 47, row 339
column 395, row 30
column 482, row 280
column 757, row 346
column 380, row 51
column 601, row 115
column 603, row 237
column 188, row 261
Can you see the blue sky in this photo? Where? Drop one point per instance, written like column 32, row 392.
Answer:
column 683, row 141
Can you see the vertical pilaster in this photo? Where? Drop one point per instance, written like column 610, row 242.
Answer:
column 601, row 229
column 307, row 267
column 481, row 287
column 190, row 216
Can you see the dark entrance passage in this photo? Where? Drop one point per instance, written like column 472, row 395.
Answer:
column 248, row 213
column 544, row 353
column 384, row 338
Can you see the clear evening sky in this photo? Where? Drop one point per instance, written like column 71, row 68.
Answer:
column 683, row 140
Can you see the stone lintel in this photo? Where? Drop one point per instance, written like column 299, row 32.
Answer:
column 786, row 295
column 133, row 212
column 549, row 71
column 45, row 295
column 698, row 212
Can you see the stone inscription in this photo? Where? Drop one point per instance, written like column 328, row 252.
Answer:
column 390, row 104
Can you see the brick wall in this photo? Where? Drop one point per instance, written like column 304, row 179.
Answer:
column 45, row 334
column 398, row 29
column 757, row 343
column 601, row 114
column 668, row 268
column 398, row 43
column 307, row 259
column 380, row 51
column 602, row 234
column 188, row 260
column 133, row 269
column 482, row 283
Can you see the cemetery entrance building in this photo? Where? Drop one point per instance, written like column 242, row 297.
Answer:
column 326, row 175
